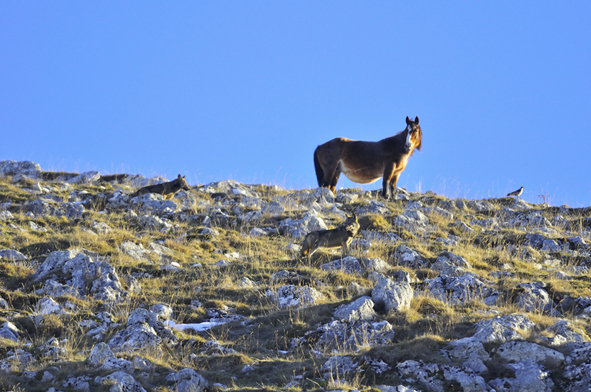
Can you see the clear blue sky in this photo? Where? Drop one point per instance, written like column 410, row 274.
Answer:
column 247, row 89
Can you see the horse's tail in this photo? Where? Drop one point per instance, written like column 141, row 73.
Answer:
column 318, row 168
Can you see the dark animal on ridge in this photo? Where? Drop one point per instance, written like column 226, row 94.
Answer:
column 516, row 193
column 166, row 189
column 365, row 162
column 339, row 237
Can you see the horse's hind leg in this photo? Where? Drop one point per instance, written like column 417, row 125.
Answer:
column 335, row 178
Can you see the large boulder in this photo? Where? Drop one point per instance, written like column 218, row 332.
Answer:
column 412, row 220
column 502, row 329
column 188, row 380
column 360, row 309
column 144, row 331
column 405, row 256
column 75, row 273
column 529, row 377
column 89, row 177
column 450, row 264
column 290, row 295
column 120, row 382
column 533, row 298
column 459, row 289
column 25, row 168
column 342, row 336
column 395, row 296
column 45, row 206
column 518, row 351
column 300, row 227
column 9, row 331
column 152, row 203
column 12, row 255
column 471, row 352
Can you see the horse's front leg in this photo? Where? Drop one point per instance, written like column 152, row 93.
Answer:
column 386, row 180
column 393, row 189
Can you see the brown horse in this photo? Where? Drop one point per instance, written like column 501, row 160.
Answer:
column 366, row 162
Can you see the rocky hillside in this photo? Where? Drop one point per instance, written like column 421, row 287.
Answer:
column 103, row 292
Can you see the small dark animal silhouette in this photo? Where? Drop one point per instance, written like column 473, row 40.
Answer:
column 516, row 193
column 339, row 237
column 166, row 189
column 366, row 162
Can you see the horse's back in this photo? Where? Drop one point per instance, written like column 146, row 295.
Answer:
column 330, row 152
column 336, row 143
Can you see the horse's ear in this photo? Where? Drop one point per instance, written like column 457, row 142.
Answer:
column 179, row 176
column 407, row 120
column 417, row 120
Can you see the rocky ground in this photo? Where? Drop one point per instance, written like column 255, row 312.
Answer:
column 103, row 292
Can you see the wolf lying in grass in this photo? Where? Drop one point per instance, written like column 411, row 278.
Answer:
column 167, row 189
column 339, row 237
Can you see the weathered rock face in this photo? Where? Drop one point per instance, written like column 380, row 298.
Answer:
column 534, row 298
column 344, row 336
column 450, row 264
column 12, row 255
column 395, row 296
column 504, row 328
column 14, row 168
column 564, row 332
column 432, row 376
column 153, row 204
column 471, row 352
column 300, row 227
column 373, row 207
column 349, row 265
column 74, row 273
column 120, row 381
column 408, row 257
column 188, row 380
column 6, row 216
column 44, row 206
column 338, row 367
column 360, row 309
column 135, row 251
column 144, row 332
column 290, row 295
column 412, row 220
column 99, row 354
column 518, row 351
column 89, row 177
column 458, row 290
column 9, row 331
column 529, row 377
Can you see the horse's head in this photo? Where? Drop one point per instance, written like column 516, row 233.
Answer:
column 414, row 136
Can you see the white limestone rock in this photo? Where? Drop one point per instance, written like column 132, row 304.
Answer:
column 405, row 256
column 519, row 351
column 529, row 377
column 120, row 381
column 502, row 329
column 395, row 296
column 360, row 309
column 290, row 295
column 188, row 380
column 471, row 352
column 11, row 254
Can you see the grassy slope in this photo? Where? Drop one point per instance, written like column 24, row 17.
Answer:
column 420, row 330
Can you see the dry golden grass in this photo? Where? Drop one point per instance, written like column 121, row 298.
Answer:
column 264, row 339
